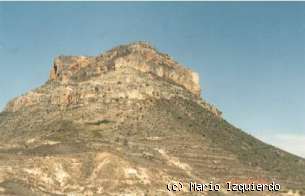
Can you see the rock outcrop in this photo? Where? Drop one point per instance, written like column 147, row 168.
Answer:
column 133, row 71
column 140, row 56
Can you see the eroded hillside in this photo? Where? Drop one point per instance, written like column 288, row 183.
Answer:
column 128, row 122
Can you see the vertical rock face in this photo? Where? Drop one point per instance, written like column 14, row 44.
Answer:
column 65, row 66
column 140, row 56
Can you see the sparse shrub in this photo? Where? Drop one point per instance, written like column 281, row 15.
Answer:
column 99, row 122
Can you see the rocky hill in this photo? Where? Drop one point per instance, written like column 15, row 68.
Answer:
column 129, row 122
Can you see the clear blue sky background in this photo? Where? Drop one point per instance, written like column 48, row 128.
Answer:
column 250, row 56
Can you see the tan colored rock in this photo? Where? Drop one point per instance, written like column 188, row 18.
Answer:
column 136, row 72
column 140, row 56
column 66, row 66
column 23, row 101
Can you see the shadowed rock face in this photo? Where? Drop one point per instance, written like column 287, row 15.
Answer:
column 128, row 122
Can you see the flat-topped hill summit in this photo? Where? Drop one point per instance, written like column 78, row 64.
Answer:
column 129, row 122
column 140, row 56
column 133, row 71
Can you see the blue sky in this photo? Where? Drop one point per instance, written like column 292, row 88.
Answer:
column 250, row 56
